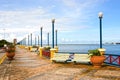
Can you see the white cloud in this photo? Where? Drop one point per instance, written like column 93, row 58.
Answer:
column 69, row 3
column 20, row 23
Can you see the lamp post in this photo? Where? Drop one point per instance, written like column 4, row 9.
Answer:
column 41, row 35
column 56, row 37
column 38, row 40
column 53, row 50
column 25, row 40
column 100, row 15
column 53, row 21
column 31, row 39
column 28, row 40
column 21, row 42
column 35, row 40
column 48, row 38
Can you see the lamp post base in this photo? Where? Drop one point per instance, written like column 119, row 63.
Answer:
column 102, row 51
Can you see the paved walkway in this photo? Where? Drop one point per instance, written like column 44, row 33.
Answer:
column 2, row 52
column 28, row 66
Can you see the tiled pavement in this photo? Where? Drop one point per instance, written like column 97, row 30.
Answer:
column 75, row 74
column 28, row 66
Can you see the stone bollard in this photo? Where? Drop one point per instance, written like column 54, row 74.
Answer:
column 52, row 52
column 30, row 47
column 56, row 47
column 102, row 51
column 40, row 50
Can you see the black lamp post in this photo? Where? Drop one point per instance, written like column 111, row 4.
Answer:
column 53, row 21
column 100, row 15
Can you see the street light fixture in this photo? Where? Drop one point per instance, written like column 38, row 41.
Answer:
column 53, row 20
column 100, row 15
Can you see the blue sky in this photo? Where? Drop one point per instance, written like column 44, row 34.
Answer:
column 76, row 20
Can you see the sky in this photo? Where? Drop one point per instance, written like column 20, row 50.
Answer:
column 76, row 20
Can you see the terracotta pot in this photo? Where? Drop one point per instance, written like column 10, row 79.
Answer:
column 97, row 61
column 10, row 55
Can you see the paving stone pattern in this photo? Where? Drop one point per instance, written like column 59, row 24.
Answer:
column 29, row 66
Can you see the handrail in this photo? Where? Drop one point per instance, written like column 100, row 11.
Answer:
column 112, row 54
column 112, row 59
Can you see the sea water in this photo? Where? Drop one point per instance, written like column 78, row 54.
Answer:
column 83, row 48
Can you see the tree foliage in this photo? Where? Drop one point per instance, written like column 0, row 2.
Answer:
column 3, row 42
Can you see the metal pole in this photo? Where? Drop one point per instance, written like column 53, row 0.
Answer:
column 100, row 32
column 38, row 40
column 28, row 40
column 21, row 42
column 56, row 37
column 48, row 39
column 25, row 41
column 41, row 36
column 53, row 33
column 31, row 39
column 35, row 41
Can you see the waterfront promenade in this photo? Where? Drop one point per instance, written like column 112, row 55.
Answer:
column 29, row 66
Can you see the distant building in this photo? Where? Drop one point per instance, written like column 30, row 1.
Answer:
column 118, row 43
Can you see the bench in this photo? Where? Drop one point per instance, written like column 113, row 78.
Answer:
column 81, row 58
column 60, row 57
column 78, row 58
column 33, row 49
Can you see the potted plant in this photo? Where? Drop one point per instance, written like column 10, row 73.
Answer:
column 10, row 51
column 96, row 58
column 47, row 48
column 34, row 48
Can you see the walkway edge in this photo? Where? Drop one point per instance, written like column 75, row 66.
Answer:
column 2, row 58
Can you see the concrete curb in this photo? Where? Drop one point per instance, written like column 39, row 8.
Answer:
column 2, row 58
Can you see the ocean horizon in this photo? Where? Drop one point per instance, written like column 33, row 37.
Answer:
column 83, row 48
